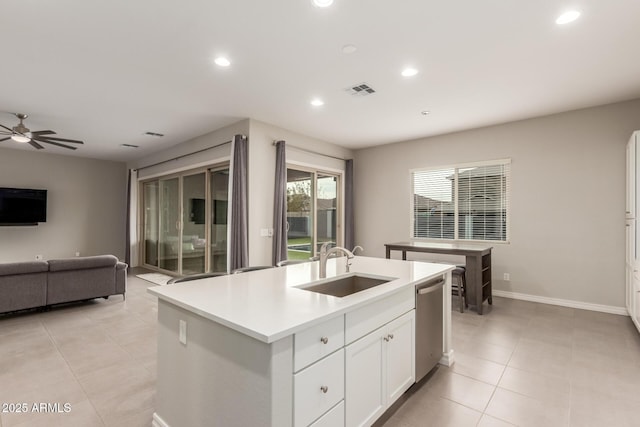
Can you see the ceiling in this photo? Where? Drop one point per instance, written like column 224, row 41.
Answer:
column 107, row 72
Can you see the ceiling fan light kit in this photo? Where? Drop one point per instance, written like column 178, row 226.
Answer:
column 21, row 133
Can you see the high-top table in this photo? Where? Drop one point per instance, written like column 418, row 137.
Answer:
column 478, row 264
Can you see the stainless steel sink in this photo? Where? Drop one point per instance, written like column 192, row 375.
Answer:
column 343, row 286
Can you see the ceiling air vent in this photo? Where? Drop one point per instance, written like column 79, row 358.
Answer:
column 155, row 134
column 361, row 89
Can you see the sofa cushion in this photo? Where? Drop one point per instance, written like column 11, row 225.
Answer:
column 27, row 267
column 99, row 261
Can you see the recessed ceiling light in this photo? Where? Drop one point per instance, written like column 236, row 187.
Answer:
column 348, row 49
column 317, row 102
column 409, row 72
column 567, row 17
column 222, row 61
column 322, row 3
column 425, row 112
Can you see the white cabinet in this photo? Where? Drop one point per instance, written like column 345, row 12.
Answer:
column 379, row 368
column 631, row 177
column 632, row 234
column 400, row 356
column 333, row 418
column 317, row 342
column 318, row 388
column 634, row 309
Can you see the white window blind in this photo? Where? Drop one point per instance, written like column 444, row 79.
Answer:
column 469, row 202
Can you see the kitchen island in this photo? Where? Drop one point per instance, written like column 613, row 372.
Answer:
column 256, row 349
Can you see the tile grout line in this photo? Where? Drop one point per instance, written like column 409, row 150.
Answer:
column 73, row 372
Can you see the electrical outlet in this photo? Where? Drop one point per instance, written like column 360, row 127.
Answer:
column 39, row 257
column 77, row 253
column 507, row 277
column 183, row 332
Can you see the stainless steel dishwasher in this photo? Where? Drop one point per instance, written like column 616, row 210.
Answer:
column 428, row 325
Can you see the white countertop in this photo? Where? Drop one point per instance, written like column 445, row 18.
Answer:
column 267, row 305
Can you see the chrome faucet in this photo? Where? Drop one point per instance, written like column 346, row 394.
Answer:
column 325, row 253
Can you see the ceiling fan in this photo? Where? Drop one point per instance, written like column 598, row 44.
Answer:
column 20, row 133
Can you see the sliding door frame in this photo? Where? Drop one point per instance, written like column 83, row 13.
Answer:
column 208, row 197
column 339, row 175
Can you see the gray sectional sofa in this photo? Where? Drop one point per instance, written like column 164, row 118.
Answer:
column 35, row 284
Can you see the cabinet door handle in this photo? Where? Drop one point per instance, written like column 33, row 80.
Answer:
column 390, row 336
column 324, row 389
column 386, row 338
column 324, row 340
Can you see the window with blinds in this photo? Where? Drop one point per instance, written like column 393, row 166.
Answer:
column 467, row 202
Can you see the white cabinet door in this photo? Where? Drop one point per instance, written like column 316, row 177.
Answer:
column 631, row 178
column 635, row 299
column 400, row 356
column 379, row 368
column 364, row 388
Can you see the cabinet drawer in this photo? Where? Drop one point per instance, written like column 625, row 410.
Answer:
column 318, row 341
column 333, row 418
column 318, row 388
column 362, row 321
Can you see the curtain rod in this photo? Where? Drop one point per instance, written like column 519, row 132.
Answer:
column 183, row 155
column 310, row 151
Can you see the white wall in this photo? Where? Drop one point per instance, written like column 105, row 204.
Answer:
column 262, row 170
column 567, row 198
column 86, row 206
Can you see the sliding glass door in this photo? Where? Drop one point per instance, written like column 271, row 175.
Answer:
column 169, row 235
column 313, row 211
column 185, row 222
column 219, row 184
column 194, row 236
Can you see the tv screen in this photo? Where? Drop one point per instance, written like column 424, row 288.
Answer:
column 22, row 206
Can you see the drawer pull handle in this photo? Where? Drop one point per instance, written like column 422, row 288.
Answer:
column 324, row 388
column 324, row 340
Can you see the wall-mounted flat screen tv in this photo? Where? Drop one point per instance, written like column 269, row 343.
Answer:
column 22, row 206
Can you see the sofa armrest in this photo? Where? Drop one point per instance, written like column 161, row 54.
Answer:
column 121, row 277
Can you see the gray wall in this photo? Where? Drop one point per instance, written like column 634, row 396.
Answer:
column 86, row 206
column 567, row 198
column 262, row 171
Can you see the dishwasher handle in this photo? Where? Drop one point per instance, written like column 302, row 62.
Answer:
column 430, row 288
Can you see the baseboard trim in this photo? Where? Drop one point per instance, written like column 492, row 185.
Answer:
column 157, row 421
column 622, row 311
column 447, row 358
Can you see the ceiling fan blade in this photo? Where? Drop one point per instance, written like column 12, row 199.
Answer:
column 53, row 143
column 4, row 139
column 35, row 145
column 50, row 138
column 43, row 132
column 9, row 129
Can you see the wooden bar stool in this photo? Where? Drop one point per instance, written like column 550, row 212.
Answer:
column 459, row 286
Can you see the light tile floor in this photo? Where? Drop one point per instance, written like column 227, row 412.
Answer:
column 520, row 364
column 529, row 364
column 98, row 356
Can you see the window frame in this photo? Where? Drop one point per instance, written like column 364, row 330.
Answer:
column 456, row 168
column 339, row 174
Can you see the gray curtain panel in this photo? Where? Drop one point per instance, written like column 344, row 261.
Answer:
column 349, row 226
column 279, row 252
column 239, row 239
